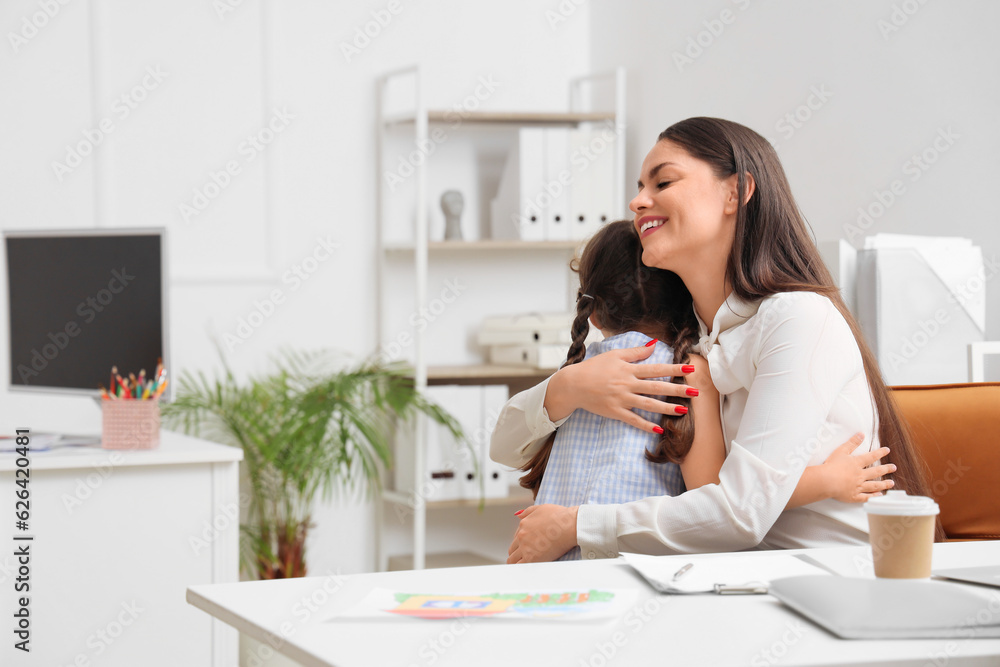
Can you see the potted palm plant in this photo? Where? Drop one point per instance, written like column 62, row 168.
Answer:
column 309, row 428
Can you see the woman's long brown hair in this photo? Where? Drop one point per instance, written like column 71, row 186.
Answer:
column 624, row 295
column 773, row 252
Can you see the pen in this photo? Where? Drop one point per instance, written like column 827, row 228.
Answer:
column 680, row 573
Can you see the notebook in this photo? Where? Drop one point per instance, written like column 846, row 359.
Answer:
column 854, row 608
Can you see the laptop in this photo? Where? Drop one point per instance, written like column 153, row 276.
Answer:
column 987, row 575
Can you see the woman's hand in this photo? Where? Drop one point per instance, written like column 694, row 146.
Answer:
column 848, row 476
column 611, row 384
column 545, row 533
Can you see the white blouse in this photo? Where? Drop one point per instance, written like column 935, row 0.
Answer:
column 792, row 387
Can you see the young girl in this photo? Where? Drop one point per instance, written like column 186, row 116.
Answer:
column 596, row 460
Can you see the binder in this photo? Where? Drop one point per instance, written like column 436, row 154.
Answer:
column 557, row 184
column 448, row 459
column 496, row 476
column 518, row 211
column 592, row 165
column 468, row 409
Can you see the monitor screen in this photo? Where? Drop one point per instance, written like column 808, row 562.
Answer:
column 80, row 302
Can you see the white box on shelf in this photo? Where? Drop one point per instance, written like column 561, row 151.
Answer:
column 920, row 302
column 841, row 259
column 534, row 355
column 518, row 211
column 553, row 328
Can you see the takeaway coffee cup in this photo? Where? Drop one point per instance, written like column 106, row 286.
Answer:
column 901, row 528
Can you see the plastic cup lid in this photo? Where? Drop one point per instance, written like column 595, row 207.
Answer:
column 898, row 503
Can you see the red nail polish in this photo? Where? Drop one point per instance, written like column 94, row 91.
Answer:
column 691, row 391
column 652, row 342
column 518, row 513
column 681, row 410
column 687, row 368
column 658, row 430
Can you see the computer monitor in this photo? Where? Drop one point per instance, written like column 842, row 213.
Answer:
column 82, row 301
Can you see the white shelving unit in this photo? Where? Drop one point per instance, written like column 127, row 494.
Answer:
column 420, row 250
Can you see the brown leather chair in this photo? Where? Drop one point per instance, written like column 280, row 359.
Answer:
column 956, row 430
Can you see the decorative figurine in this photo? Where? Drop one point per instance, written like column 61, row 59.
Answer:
column 452, row 203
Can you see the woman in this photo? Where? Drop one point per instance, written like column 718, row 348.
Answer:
column 715, row 208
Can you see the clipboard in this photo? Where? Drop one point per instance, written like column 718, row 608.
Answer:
column 719, row 574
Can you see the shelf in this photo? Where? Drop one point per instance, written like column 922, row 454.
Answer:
column 517, row 118
column 441, row 560
column 476, row 246
column 518, row 496
column 443, row 374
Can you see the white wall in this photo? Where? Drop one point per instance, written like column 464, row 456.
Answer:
column 227, row 73
column 224, row 74
column 885, row 95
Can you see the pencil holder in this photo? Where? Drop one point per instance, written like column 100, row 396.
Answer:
column 130, row 424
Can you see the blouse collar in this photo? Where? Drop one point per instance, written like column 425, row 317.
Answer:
column 733, row 312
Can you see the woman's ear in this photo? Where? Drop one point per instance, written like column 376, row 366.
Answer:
column 732, row 186
column 751, row 187
column 594, row 321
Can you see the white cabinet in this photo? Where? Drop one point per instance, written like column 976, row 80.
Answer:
column 118, row 538
column 472, row 147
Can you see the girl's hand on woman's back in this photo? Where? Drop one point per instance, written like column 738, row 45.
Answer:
column 852, row 478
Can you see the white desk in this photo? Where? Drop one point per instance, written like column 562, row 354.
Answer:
column 682, row 630
column 118, row 536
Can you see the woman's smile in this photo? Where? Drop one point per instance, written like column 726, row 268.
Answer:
column 649, row 224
